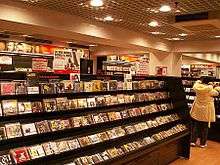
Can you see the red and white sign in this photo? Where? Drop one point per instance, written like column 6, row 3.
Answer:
column 39, row 64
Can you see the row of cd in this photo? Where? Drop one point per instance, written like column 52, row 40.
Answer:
column 14, row 130
column 13, row 107
column 68, row 86
column 23, row 154
column 126, row 148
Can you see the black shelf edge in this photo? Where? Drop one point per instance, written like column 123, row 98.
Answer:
column 76, row 112
column 149, row 147
column 69, row 155
column 78, row 94
column 77, row 131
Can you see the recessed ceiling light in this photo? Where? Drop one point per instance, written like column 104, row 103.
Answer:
column 176, row 38
column 183, row 34
column 165, row 8
column 25, row 35
column 157, row 33
column 32, row 1
column 108, row 18
column 96, row 3
column 217, row 36
column 92, row 45
column 169, row 39
column 153, row 23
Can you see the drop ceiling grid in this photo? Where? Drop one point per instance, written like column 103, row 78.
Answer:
column 134, row 13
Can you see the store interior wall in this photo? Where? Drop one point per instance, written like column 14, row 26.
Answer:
column 42, row 22
column 190, row 60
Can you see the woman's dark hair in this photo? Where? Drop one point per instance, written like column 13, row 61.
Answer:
column 206, row 79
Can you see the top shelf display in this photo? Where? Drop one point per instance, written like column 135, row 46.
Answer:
column 69, row 87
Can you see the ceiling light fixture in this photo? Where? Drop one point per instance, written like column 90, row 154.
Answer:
column 157, row 33
column 92, row 45
column 32, row 1
column 153, row 23
column 217, row 36
column 165, row 8
column 176, row 39
column 108, row 18
column 25, row 35
column 96, row 3
column 183, row 34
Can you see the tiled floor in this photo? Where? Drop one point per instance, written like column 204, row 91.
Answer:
column 202, row 156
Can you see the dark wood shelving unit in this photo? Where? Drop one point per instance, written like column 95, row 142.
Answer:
column 180, row 142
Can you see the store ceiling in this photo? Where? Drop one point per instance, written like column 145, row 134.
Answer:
column 136, row 14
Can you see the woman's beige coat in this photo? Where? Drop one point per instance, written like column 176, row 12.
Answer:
column 203, row 108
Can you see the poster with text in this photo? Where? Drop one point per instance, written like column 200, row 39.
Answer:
column 39, row 64
column 66, row 61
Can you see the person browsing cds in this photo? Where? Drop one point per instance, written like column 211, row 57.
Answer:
column 203, row 110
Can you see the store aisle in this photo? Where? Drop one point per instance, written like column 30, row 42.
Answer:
column 200, row 156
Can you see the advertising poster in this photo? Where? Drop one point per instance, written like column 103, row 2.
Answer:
column 66, row 61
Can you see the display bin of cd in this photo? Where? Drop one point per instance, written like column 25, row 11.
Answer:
column 94, row 121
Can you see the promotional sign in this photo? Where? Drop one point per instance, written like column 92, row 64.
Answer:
column 66, row 61
column 142, row 65
column 161, row 70
column 39, row 64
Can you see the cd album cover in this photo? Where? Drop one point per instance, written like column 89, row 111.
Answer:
column 42, row 126
column 20, row 87
column 73, row 104
column 68, row 86
column 7, row 88
column 91, row 102
column 82, row 103
column 65, row 124
column 73, row 144
column 36, row 106
column 20, row 155
column 94, row 139
column 60, row 87
column 36, row 151
column 50, row 148
column 29, row 129
column 5, row 159
column 24, row 107
column 47, row 88
column 49, row 105
column 62, row 146
column 105, row 155
column 61, row 103
column 103, row 136
column 9, row 107
column 33, row 90
column 76, row 121
column 84, row 141
column 55, row 125
column 97, row 85
column 13, row 130
column 88, row 86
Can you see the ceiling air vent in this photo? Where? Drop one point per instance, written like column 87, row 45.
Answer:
column 192, row 17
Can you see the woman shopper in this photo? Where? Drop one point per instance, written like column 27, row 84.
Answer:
column 203, row 110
